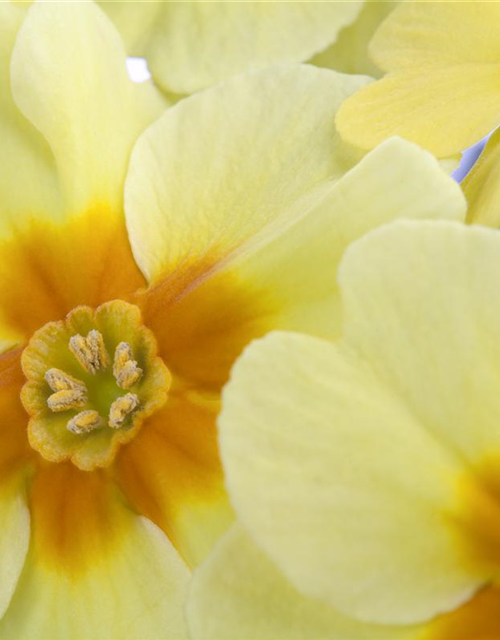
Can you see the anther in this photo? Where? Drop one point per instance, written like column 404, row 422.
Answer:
column 66, row 399
column 90, row 351
column 125, row 368
column 121, row 408
column 84, row 422
column 60, row 381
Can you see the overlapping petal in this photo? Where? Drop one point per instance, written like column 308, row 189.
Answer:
column 441, row 90
column 192, row 45
column 375, row 489
column 349, row 53
column 322, row 482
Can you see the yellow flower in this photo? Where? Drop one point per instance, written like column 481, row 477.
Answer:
column 366, row 473
column 123, row 303
column 193, row 45
column 441, row 90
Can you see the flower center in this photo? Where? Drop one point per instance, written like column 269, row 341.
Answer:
column 91, row 381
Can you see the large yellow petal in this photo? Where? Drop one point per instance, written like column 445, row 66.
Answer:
column 337, row 479
column 69, row 79
column 481, row 186
column 443, row 60
column 94, row 568
column 217, row 169
column 238, row 593
column 349, row 53
column 28, row 180
column 194, row 45
column 421, row 304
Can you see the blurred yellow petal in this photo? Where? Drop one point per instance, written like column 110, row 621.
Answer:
column 89, row 121
column 132, row 19
column 481, row 186
column 318, row 453
column 226, row 166
column 193, row 45
column 238, row 593
column 349, row 53
column 421, row 34
column 94, row 569
column 441, row 91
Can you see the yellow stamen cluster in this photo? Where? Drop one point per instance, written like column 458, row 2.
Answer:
column 87, row 391
column 71, row 393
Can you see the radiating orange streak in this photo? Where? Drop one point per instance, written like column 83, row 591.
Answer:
column 478, row 619
column 15, row 451
column 48, row 269
column 173, row 460
column 202, row 331
column 478, row 521
column 75, row 517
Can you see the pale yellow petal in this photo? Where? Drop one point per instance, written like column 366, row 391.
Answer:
column 421, row 304
column 28, row 179
column 194, row 45
column 14, row 541
column 441, row 91
column 349, row 53
column 481, row 186
column 238, row 593
column 69, row 78
column 421, row 34
column 295, row 271
column 444, row 109
column 232, row 163
column 324, row 467
column 134, row 20
column 95, row 570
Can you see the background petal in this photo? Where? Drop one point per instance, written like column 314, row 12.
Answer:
column 443, row 60
column 195, row 45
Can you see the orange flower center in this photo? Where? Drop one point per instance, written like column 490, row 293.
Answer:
column 91, row 381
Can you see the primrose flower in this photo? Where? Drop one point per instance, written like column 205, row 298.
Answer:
column 441, row 86
column 123, row 305
column 192, row 45
column 365, row 473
